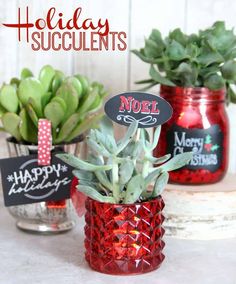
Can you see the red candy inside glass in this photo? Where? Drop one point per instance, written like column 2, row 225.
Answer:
column 199, row 124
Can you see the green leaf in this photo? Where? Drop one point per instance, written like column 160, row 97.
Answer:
column 160, row 184
column 232, row 95
column 152, row 49
column 177, row 162
column 134, row 189
column 141, row 55
column 229, row 70
column 46, row 76
column 26, row 73
column 158, row 78
column 11, row 122
column 84, row 125
column 28, row 130
column 94, row 194
column 126, row 170
column 106, row 126
column 82, row 165
column 8, row 98
column 178, row 36
column 128, row 136
column 31, row 88
column 214, row 82
column 175, row 51
column 55, row 113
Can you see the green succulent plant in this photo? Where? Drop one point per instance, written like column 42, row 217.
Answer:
column 206, row 59
column 70, row 103
column 122, row 172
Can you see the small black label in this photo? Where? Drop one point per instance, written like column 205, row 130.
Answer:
column 25, row 182
column 149, row 110
column 206, row 144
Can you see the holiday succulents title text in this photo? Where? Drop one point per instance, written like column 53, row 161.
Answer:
column 55, row 32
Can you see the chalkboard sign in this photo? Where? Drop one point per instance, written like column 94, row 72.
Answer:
column 149, row 110
column 24, row 181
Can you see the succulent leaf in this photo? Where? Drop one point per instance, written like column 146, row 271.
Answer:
column 26, row 73
column 177, row 161
column 92, row 193
column 134, row 189
column 11, row 122
column 128, row 136
column 160, row 184
column 46, row 76
column 8, row 98
column 126, row 170
column 31, row 88
column 27, row 128
column 82, row 165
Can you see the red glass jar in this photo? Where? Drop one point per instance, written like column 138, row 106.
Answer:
column 124, row 239
column 199, row 124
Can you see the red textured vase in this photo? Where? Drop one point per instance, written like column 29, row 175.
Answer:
column 199, row 124
column 123, row 239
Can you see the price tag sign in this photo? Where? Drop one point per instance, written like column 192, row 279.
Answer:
column 24, row 181
column 148, row 109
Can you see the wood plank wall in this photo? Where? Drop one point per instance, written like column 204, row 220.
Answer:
column 117, row 70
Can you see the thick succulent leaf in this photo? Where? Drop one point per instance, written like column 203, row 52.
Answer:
column 177, row 162
column 67, row 127
column 160, row 160
column 69, row 94
column 134, row 189
column 107, row 141
column 85, row 175
column 80, row 164
column 152, row 176
column 27, row 128
column 152, row 49
column 8, row 98
column 57, row 81
column 98, row 148
column 84, row 82
column 229, row 70
column 144, row 58
column 32, row 114
column 46, row 76
column 76, row 84
column 11, row 122
column 214, row 82
column 26, row 73
column 46, row 99
column 126, row 170
column 84, row 125
column 232, row 95
column 55, row 113
column 2, row 111
column 156, row 136
column 128, row 136
column 94, row 194
column 158, row 78
column 88, row 102
column 175, row 51
column 15, row 82
column 178, row 36
column 160, row 184
column 31, row 88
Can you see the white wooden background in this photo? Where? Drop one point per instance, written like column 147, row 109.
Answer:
column 117, row 70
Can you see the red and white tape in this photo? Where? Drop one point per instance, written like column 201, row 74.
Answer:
column 44, row 142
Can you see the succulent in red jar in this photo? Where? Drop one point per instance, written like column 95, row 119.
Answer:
column 123, row 231
column 196, row 73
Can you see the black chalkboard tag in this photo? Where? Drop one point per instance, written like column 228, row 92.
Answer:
column 148, row 109
column 25, row 182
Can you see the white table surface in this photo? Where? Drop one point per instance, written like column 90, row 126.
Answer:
column 27, row 258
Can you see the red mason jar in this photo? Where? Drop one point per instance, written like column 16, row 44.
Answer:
column 199, row 124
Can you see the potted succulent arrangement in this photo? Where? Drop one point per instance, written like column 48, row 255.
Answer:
column 123, row 231
column 71, row 105
column 196, row 73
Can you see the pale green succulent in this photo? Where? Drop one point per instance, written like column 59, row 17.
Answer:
column 123, row 171
column 70, row 103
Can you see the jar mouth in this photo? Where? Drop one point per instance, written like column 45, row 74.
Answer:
column 190, row 94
